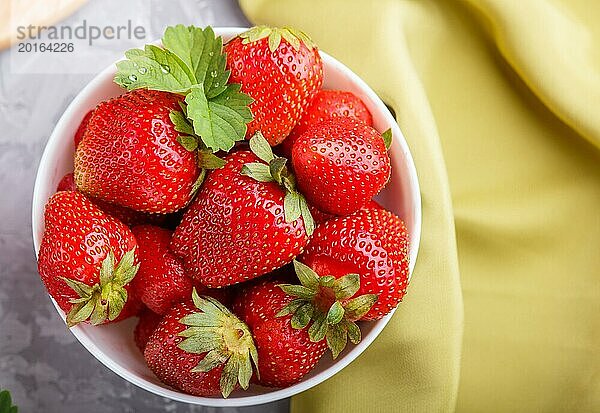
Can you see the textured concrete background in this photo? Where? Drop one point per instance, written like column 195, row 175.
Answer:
column 41, row 363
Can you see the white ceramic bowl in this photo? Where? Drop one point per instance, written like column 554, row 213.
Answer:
column 113, row 344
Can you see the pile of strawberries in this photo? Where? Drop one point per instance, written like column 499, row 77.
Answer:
column 226, row 200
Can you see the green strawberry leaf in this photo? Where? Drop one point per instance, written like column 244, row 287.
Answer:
column 181, row 122
column 219, row 122
column 261, row 148
column 192, row 63
column 153, row 68
column 291, row 307
column 224, row 338
column 188, row 142
column 309, row 222
column 200, row 50
column 346, row 286
column 276, row 167
column 337, row 323
column 275, row 170
column 208, row 160
column 337, row 337
column 353, row 332
column 335, row 313
column 302, row 316
column 307, row 276
column 257, row 171
column 293, row 36
column 357, row 307
column 291, row 206
column 105, row 299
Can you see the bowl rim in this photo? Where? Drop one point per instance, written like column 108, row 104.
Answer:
column 38, row 203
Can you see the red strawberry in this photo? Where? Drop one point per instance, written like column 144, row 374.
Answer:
column 281, row 70
column 82, row 128
column 130, row 155
column 87, row 260
column 340, row 164
column 145, row 327
column 373, row 205
column 161, row 281
column 285, row 354
column 126, row 215
column 201, row 348
column 320, row 216
column 372, row 243
column 67, row 183
column 239, row 227
column 328, row 104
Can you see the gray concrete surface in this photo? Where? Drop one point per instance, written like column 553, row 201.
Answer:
column 41, row 363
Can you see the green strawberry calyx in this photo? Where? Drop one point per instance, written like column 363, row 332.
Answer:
column 387, row 138
column 274, row 35
column 191, row 62
column 330, row 303
column 273, row 169
column 224, row 338
column 104, row 300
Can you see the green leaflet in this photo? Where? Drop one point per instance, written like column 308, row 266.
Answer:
column 192, row 63
column 201, row 52
column 219, row 122
column 274, row 34
column 153, row 68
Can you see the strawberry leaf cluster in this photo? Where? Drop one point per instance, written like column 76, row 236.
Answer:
column 104, row 300
column 191, row 62
column 336, row 323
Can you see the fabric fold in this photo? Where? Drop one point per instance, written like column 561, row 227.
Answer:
column 415, row 361
column 553, row 53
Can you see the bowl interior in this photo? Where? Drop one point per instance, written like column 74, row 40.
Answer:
column 113, row 344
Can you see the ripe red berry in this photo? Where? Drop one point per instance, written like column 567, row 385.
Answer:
column 285, row 354
column 340, row 164
column 237, row 227
column 87, row 260
column 82, row 128
column 147, row 323
column 372, row 243
column 201, row 348
column 160, row 281
column 281, row 70
column 126, row 215
column 130, row 155
column 328, row 104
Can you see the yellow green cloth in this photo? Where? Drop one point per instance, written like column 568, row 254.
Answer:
column 499, row 102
